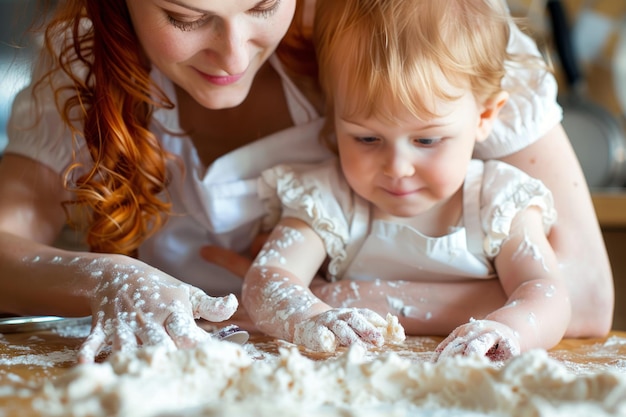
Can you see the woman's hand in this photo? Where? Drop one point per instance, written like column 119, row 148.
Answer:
column 480, row 337
column 134, row 304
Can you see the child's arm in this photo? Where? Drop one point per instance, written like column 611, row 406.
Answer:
column 423, row 308
column 277, row 297
column 538, row 308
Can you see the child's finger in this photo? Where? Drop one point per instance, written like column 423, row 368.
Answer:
column 364, row 325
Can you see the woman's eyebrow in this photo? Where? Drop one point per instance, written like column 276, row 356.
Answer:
column 182, row 4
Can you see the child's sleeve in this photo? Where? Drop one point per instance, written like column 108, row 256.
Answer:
column 315, row 194
column 506, row 191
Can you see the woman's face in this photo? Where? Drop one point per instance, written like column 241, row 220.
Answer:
column 211, row 48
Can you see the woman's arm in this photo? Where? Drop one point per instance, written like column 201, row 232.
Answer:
column 31, row 216
column 130, row 302
column 532, row 112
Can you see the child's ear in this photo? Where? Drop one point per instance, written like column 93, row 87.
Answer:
column 489, row 114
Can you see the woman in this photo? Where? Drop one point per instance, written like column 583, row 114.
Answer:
column 181, row 104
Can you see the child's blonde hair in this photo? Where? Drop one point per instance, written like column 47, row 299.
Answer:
column 399, row 50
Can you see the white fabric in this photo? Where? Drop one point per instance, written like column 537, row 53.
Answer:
column 220, row 206
column 363, row 247
column 217, row 206
column 530, row 112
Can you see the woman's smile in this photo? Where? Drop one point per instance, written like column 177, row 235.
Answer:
column 222, row 80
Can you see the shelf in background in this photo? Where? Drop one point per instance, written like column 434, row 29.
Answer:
column 610, row 208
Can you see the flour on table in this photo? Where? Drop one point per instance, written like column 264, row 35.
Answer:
column 225, row 379
column 45, row 360
column 75, row 331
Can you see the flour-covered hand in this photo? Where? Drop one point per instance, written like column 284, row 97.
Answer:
column 480, row 337
column 134, row 304
column 344, row 327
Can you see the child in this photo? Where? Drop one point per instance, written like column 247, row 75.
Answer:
column 411, row 87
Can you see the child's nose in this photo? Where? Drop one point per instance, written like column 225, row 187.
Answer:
column 399, row 165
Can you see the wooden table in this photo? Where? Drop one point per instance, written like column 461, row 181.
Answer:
column 29, row 359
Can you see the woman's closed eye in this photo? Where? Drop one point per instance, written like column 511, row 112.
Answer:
column 265, row 8
column 187, row 23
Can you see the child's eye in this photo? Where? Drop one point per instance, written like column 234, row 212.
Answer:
column 427, row 141
column 366, row 139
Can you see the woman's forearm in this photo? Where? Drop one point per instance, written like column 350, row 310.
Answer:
column 38, row 279
column 130, row 302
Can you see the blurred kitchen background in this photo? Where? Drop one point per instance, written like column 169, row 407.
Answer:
column 598, row 29
column 17, row 47
column 598, row 34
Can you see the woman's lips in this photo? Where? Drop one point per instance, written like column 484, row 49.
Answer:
column 222, row 80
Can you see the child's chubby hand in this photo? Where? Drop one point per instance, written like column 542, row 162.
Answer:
column 488, row 338
column 346, row 327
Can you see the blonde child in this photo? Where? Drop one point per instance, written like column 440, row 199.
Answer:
column 411, row 87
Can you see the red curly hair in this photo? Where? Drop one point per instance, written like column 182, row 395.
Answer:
column 123, row 190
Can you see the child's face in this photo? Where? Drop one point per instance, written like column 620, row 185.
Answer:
column 407, row 167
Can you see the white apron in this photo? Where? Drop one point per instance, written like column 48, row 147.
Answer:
column 221, row 206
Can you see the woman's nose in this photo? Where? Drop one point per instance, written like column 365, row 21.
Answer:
column 228, row 47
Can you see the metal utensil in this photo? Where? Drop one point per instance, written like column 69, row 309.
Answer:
column 36, row 323
column 231, row 333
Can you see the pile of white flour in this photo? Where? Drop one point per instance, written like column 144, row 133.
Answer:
column 224, row 379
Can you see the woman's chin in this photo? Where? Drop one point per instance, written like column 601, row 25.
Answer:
column 222, row 100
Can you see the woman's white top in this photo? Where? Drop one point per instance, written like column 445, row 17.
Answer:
column 362, row 247
column 220, row 204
